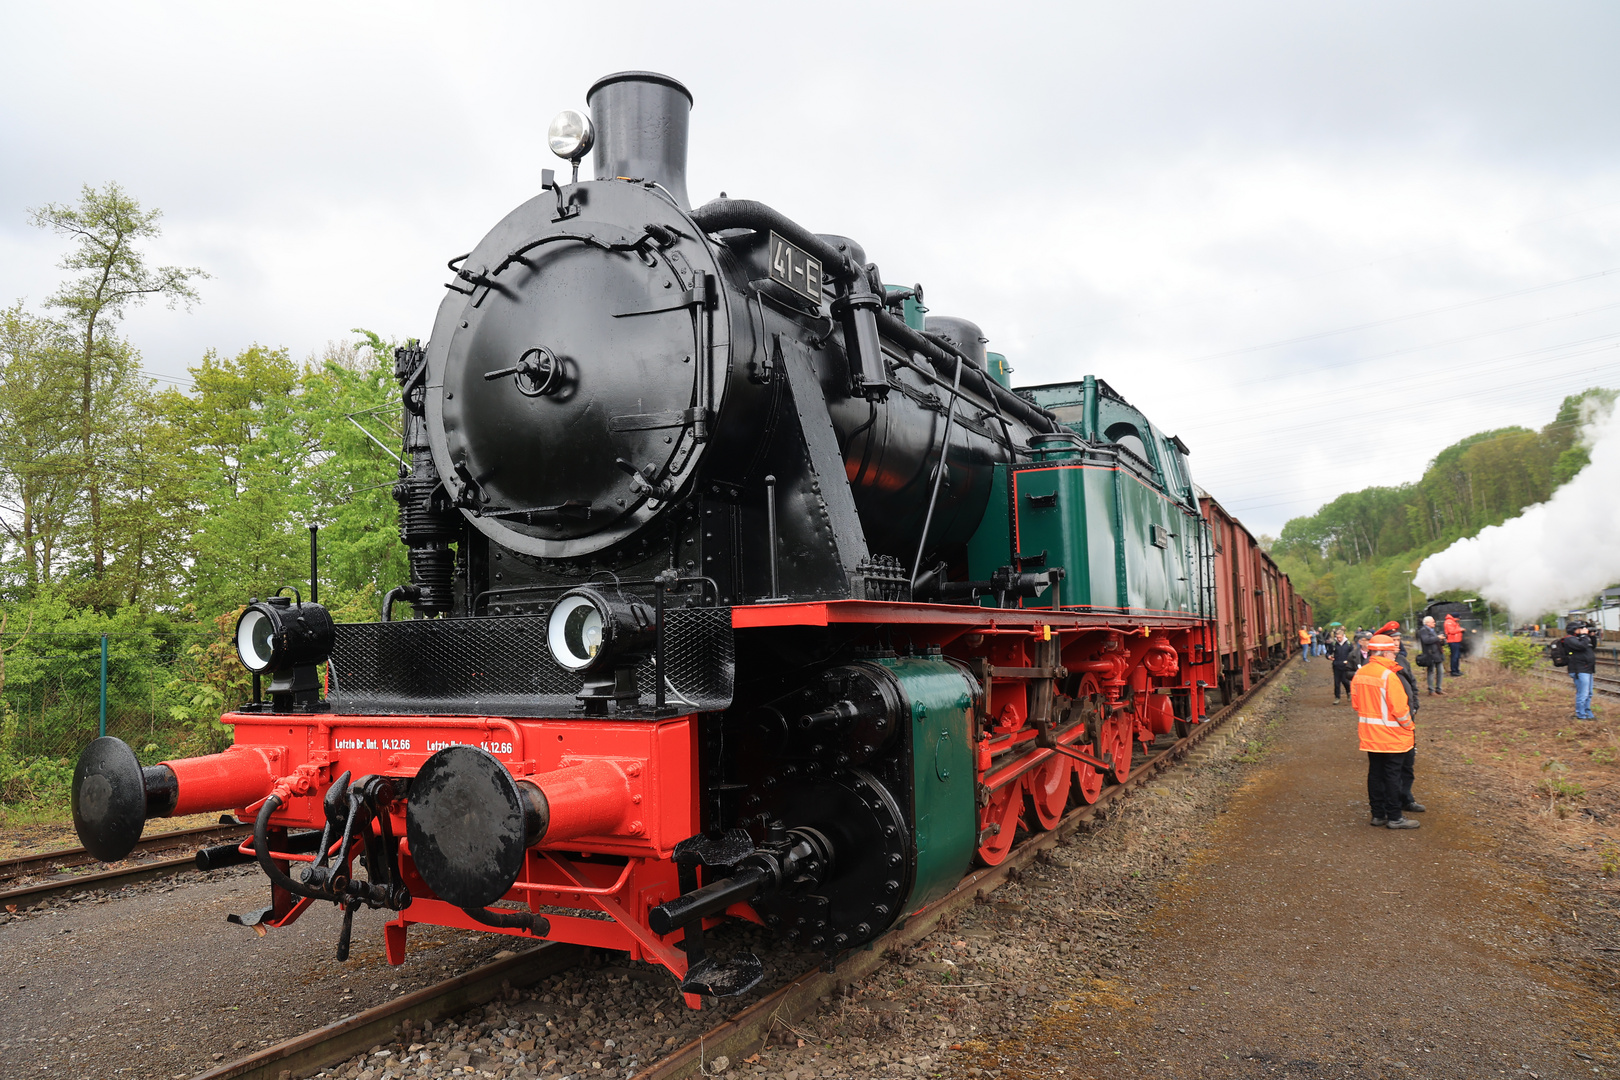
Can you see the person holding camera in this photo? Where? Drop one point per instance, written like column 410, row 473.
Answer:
column 1431, row 657
column 1581, row 652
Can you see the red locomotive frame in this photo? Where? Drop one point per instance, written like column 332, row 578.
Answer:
column 623, row 793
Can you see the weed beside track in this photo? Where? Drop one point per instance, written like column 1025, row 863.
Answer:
column 1514, row 733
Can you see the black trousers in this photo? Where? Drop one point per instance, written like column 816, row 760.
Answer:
column 1342, row 677
column 1384, row 784
column 1408, row 760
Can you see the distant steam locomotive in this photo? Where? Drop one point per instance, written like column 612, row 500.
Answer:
column 741, row 589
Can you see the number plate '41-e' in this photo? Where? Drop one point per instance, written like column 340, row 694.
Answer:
column 795, row 268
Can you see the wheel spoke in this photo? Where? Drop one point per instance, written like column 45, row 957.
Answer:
column 1005, row 809
column 1046, row 792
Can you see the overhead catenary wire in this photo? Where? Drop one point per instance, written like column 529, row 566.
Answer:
column 1216, row 480
column 1354, row 432
column 1378, row 389
column 1350, row 432
column 1413, row 253
column 1320, row 496
column 1408, row 317
column 1268, row 471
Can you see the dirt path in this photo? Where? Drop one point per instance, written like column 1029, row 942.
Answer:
column 1302, row 942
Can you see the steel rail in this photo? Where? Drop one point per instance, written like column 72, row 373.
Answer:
column 1603, row 685
column 28, row 895
column 63, row 858
column 342, row 1039
column 351, row 1035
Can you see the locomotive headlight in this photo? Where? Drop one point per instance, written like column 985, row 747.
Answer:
column 254, row 632
column 575, row 630
column 589, row 630
column 571, row 135
column 277, row 634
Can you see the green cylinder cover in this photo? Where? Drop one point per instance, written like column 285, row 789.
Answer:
column 940, row 703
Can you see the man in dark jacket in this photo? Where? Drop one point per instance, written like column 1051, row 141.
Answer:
column 1582, row 653
column 1346, row 659
column 1432, row 656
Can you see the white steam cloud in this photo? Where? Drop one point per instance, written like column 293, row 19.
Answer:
column 1554, row 556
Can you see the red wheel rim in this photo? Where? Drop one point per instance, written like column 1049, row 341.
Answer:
column 1005, row 809
column 1117, row 732
column 1088, row 782
column 1046, row 787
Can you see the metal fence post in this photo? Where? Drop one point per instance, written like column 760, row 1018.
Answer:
column 103, row 685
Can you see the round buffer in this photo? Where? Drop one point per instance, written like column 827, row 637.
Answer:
column 109, row 799
column 467, row 826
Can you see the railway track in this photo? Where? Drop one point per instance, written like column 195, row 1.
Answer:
column 153, row 857
column 356, row 1034
column 1605, row 681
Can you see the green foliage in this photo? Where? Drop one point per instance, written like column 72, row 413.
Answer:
column 1554, row 784
column 1350, row 558
column 229, row 475
column 274, row 447
column 1514, row 653
column 107, row 408
column 151, row 517
column 104, row 228
column 1609, row 859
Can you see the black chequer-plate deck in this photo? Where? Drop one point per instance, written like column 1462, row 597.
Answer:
column 500, row 666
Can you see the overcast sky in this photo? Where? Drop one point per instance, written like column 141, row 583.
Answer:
column 1317, row 241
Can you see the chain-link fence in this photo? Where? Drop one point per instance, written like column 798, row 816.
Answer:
column 161, row 692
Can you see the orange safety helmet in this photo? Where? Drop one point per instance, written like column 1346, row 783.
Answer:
column 1381, row 643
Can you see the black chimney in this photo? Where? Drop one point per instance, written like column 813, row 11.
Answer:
column 641, row 120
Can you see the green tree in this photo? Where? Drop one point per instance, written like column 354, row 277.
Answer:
column 1350, row 557
column 269, row 447
column 352, row 404
column 1576, row 411
column 150, row 506
column 38, row 452
column 106, row 227
column 243, row 451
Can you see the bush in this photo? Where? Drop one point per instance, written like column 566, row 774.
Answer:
column 1514, row 653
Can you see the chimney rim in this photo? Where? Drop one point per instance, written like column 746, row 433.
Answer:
column 638, row 76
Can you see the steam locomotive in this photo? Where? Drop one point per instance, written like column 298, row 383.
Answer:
column 741, row 587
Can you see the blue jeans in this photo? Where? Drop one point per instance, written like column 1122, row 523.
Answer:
column 1583, row 694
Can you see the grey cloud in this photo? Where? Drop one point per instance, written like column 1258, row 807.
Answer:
column 1124, row 189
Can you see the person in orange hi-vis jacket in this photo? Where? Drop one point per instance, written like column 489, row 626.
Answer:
column 1305, row 643
column 1454, row 635
column 1386, row 731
